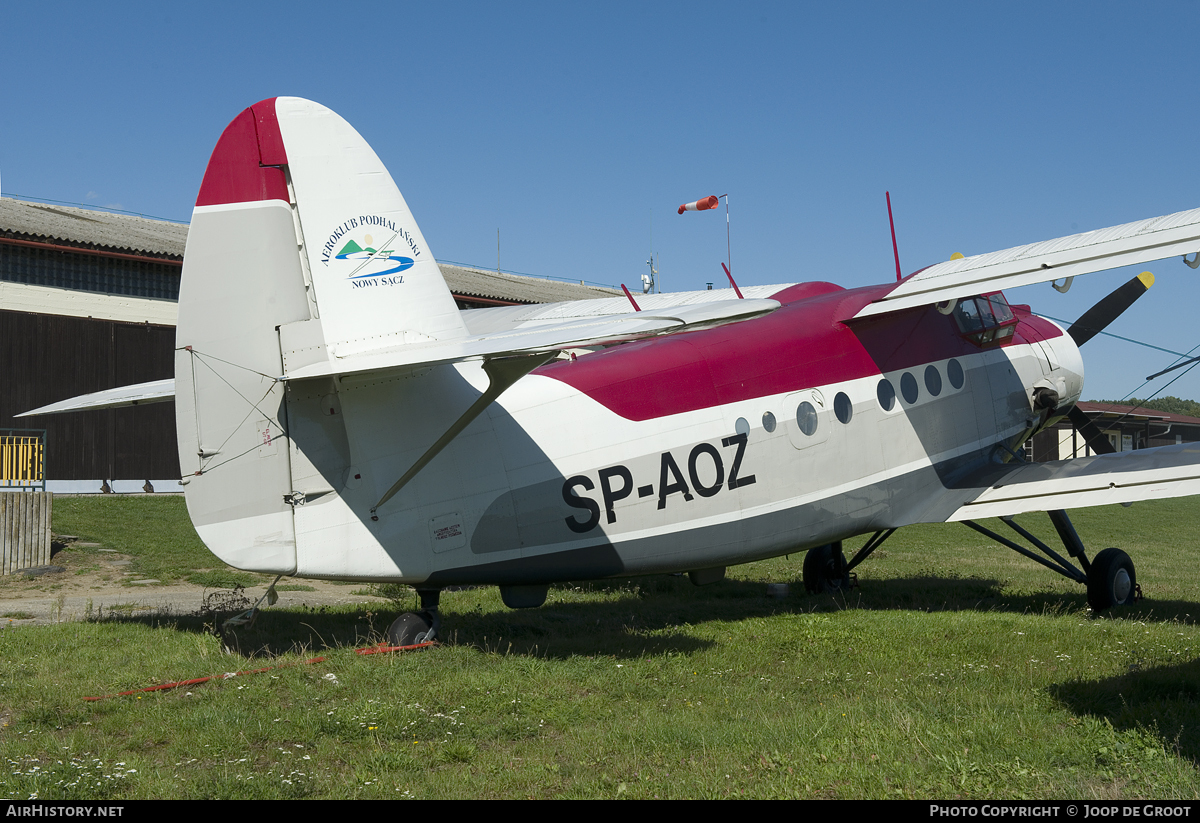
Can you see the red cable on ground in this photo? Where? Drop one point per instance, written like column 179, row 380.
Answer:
column 383, row 648
column 199, row 680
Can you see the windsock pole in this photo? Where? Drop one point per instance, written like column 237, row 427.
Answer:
column 728, row 253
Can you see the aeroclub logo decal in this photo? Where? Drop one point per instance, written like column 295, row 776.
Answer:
column 371, row 251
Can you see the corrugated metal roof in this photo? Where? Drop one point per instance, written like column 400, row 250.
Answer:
column 480, row 283
column 88, row 228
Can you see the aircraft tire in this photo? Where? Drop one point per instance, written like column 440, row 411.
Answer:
column 822, row 565
column 409, row 629
column 1111, row 581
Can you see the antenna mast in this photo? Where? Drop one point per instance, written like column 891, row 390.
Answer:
column 892, row 225
column 649, row 285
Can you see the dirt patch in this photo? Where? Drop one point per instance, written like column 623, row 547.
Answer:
column 82, row 583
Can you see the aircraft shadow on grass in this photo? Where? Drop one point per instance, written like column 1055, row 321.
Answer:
column 646, row 618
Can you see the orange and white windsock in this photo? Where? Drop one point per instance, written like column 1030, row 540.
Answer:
column 709, row 202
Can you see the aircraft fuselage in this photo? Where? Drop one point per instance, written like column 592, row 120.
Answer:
column 691, row 451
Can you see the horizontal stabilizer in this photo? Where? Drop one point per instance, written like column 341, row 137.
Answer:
column 1123, row 477
column 578, row 333
column 1092, row 251
column 158, row 391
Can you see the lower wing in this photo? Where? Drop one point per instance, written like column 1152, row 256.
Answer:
column 1124, row 477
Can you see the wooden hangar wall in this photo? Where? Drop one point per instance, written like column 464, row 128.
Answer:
column 46, row 358
column 75, row 322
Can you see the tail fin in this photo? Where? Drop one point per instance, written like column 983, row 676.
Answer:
column 299, row 234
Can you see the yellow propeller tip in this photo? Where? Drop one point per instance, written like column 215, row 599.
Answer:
column 1147, row 279
column 956, row 256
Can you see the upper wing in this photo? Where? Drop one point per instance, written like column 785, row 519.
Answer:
column 527, row 338
column 509, row 318
column 1127, row 245
column 1124, row 477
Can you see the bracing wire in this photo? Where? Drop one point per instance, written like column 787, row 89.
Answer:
column 254, row 406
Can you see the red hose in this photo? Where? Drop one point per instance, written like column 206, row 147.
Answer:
column 199, row 680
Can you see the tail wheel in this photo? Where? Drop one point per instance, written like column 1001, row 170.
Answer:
column 825, row 569
column 1111, row 580
column 410, row 629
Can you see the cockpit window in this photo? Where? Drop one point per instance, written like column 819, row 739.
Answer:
column 1000, row 308
column 985, row 320
column 968, row 316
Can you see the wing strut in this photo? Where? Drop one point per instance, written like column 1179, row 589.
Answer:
column 502, row 372
column 736, row 290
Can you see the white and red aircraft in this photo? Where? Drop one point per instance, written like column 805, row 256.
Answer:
column 339, row 418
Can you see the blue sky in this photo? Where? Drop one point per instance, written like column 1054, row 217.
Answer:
column 577, row 129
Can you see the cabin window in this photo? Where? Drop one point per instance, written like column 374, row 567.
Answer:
column 985, row 320
column 842, row 407
column 769, row 421
column 908, row 388
column 886, row 393
column 954, row 371
column 933, row 380
column 806, row 418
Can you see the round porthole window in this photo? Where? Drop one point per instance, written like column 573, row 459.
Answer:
column 954, row 371
column 886, row 393
column 806, row 418
column 908, row 388
column 933, row 380
column 768, row 421
column 842, row 407
column 742, row 426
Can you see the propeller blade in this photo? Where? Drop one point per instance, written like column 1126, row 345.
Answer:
column 1096, row 439
column 1109, row 309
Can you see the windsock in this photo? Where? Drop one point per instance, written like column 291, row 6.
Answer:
column 709, row 202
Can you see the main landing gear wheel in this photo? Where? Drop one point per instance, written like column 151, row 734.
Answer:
column 1111, row 580
column 825, row 569
column 411, row 628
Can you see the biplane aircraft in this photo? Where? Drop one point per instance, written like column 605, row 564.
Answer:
column 338, row 417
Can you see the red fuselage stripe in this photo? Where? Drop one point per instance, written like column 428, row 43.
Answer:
column 805, row 343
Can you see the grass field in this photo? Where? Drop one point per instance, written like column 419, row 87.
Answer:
column 957, row 669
